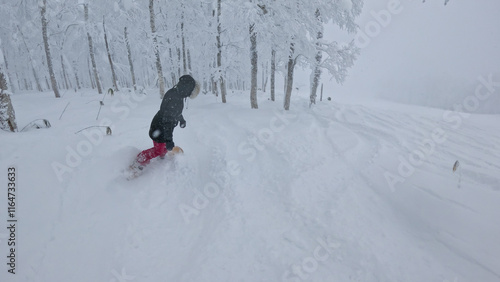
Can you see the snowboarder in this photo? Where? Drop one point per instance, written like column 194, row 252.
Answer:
column 164, row 122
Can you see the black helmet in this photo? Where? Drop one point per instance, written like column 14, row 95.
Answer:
column 188, row 87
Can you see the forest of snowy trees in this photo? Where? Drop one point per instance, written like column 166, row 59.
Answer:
column 239, row 44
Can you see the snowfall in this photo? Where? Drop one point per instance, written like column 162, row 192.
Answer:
column 396, row 177
column 345, row 190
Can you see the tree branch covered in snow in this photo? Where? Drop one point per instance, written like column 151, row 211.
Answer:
column 340, row 58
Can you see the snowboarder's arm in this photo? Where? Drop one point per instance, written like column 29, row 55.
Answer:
column 182, row 121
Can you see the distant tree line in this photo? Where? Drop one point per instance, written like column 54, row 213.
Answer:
column 226, row 44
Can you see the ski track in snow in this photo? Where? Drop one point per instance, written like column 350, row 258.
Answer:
column 259, row 196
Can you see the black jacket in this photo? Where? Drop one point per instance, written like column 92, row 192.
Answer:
column 170, row 113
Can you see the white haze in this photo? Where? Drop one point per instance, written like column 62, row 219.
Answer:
column 429, row 54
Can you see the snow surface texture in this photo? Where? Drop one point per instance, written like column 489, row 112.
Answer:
column 338, row 192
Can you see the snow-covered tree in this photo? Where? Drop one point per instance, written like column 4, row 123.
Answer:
column 224, row 44
column 113, row 74
column 257, row 14
column 273, row 74
column 222, row 83
column 254, row 66
column 129, row 56
column 20, row 23
column 91, row 49
column 48, row 55
column 152, row 19
column 7, row 114
column 305, row 23
column 315, row 75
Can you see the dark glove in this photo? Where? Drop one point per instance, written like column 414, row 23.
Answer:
column 182, row 123
column 170, row 145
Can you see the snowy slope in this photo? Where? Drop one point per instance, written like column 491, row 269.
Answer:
column 339, row 192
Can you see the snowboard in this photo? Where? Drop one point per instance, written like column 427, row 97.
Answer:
column 135, row 170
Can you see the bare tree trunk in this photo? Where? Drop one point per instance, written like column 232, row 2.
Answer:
column 66, row 83
column 285, row 79
column 172, row 69
column 189, row 60
column 321, row 96
column 273, row 74
column 91, row 50
column 178, row 62
column 12, row 88
column 37, row 80
column 91, row 78
column 18, row 81
column 214, row 86
column 129, row 54
column 264, row 76
column 219, row 54
column 317, row 71
column 47, row 49
column 75, row 70
column 47, row 83
column 223, row 92
column 183, row 42
column 253, row 61
column 184, row 61
column 289, row 78
column 161, row 81
column 113, row 74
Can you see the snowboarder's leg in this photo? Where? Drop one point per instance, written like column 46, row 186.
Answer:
column 145, row 156
column 161, row 149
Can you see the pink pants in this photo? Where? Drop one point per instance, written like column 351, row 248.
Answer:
column 145, row 156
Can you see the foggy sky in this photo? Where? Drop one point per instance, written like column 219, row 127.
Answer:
column 421, row 44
